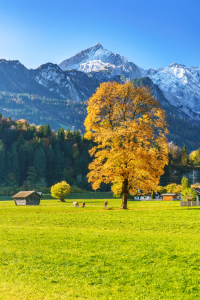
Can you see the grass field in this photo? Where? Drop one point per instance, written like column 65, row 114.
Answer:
column 55, row 251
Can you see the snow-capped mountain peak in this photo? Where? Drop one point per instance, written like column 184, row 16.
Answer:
column 98, row 54
column 97, row 58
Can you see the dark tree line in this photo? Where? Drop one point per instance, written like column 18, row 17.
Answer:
column 37, row 156
column 32, row 155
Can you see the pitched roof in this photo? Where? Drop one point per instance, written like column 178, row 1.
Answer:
column 23, row 194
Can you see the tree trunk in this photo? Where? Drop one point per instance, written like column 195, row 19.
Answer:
column 124, row 194
column 62, row 199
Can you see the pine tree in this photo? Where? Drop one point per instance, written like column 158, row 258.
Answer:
column 84, row 162
column 153, row 195
column 59, row 168
column 32, row 175
column 47, row 130
column 68, row 150
column 30, row 157
column 77, row 166
column 41, row 131
column 20, row 142
column 8, row 163
column 77, row 139
column 39, row 163
column 69, row 134
column 60, row 136
column 15, row 164
column 22, row 162
column 50, row 166
column 184, row 156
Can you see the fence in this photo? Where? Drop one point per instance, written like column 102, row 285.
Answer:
column 189, row 203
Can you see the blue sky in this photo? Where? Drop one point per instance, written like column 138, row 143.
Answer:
column 150, row 33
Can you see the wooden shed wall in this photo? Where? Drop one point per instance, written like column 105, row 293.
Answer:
column 33, row 199
column 21, row 201
column 169, row 198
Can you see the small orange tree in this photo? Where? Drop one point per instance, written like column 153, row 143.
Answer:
column 129, row 129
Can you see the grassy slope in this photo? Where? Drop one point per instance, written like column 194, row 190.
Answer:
column 55, row 251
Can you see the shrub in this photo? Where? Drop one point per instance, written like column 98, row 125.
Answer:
column 60, row 190
column 189, row 194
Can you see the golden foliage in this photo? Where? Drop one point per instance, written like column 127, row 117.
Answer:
column 173, row 188
column 161, row 189
column 193, row 156
column 130, row 130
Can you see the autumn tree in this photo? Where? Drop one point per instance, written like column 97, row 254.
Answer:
column 161, row 189
column 185, row 184
column 173, row 188
column 189, row 194
column 129, row 129
column 60, row 190
column 175, row 152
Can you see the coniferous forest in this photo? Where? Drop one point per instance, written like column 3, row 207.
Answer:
column 33, row 157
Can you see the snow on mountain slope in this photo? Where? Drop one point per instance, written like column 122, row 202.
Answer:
column 97, row 58
column 74, row 85
column 179, row 83
column 53, row 78
column 96, row 54
column 181, row 86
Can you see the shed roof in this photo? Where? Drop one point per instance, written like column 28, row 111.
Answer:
column 169, row 194
column 23, row 194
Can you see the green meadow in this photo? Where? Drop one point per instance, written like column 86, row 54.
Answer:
column 55, row 251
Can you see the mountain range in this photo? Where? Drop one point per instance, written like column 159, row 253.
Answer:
column 177, row 87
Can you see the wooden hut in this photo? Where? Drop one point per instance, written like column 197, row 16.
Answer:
column 170, row 196
column 27, row 198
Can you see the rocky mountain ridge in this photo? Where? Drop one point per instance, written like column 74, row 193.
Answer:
column 179, row 83
column 43, row 94
column 78, row 77
column 181, row 87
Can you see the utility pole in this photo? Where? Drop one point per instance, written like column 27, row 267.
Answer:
column 193, row 176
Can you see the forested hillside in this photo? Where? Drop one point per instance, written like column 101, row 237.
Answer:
column 42, row 110
column 37, row 157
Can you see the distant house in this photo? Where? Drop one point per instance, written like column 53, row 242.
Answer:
column 27, row 198
column 171, row 196
column 197, row 189
column 146, row 197
column 142, row 197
